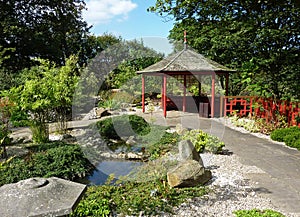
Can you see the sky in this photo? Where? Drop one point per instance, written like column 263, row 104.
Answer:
column 130, row 20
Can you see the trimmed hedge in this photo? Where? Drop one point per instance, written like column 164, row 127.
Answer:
column 291, row 136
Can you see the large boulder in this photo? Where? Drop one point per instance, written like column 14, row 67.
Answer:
column 188, row 173
column 187, row 151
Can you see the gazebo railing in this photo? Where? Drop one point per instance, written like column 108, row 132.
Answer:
column 268, row 109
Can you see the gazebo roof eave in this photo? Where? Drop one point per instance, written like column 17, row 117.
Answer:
column 186, row 72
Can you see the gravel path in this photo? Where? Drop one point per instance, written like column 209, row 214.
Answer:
column 231, row 190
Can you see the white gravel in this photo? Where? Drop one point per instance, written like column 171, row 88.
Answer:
column 231, row 190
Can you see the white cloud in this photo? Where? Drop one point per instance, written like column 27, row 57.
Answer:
column 103, row 11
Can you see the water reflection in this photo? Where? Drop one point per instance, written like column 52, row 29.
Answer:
column 105, row 168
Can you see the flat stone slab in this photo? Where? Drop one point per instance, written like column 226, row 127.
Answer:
column 40, row 197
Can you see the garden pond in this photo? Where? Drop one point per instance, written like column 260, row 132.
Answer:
column 106, row 168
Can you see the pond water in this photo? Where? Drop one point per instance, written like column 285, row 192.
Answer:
column 116, row 167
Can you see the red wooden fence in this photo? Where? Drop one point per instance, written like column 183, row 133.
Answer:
column 268, row 109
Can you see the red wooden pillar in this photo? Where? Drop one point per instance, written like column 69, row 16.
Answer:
column 184, row 94
column 226, row 85
column 162, row 92
column 165, row 95
column 213, row 95
column 143, row 93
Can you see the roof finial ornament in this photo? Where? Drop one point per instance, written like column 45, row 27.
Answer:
column 185, row 41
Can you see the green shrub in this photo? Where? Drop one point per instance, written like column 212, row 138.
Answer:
column 130, row 198
column 111, row 104
column 203, row 141
column 214, row 145
column 66, row 162
column 257, row 213
column 291, row 139
column 291, row 136
column 198, row 138
column 126, row 125
column 19, row 118
column 139, row 125
column 279, row 134
column 14, row 171
column 296, row 144
column 60, row 160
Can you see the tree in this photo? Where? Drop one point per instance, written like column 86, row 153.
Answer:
column 116, row 64
column 51, row 30
column 127, row 71
column 93, row 45
column 6, row 78
column 261, row 40
column 46, row 95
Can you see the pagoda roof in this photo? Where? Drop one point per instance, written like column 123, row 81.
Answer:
column 184, row 61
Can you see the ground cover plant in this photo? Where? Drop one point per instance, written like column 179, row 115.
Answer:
column 250, row 124
column 291, row 136
column 46, row 160
column 259, row 125
column 257, row 213
column 132, row 198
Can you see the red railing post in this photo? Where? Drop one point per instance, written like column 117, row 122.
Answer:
column 251, row 101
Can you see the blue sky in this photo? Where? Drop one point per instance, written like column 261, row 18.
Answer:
column 130, row 20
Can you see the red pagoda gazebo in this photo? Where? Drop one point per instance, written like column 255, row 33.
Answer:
column 185, row 64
